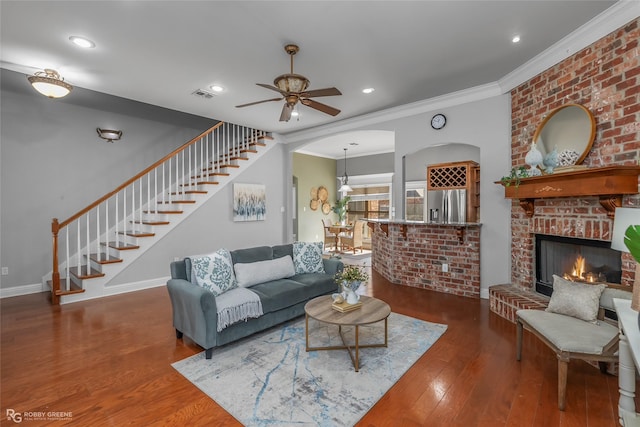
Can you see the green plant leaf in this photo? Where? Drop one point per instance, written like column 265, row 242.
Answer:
column 632, row 241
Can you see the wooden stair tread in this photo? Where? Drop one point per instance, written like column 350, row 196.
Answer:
column 221, row 166
column 239, row 158
column 207, row 183
column 104, row 258
column 247, row 150
column 75, row 289
column 176, row 201
column 121, row 246
column 175, row 193
column 82, row 274
column 164, row 212
column 133, row 233
column 151, row 222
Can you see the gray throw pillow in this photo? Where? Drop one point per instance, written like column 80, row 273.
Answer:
column 574, row 299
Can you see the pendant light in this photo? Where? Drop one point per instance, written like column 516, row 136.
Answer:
column 345, row 188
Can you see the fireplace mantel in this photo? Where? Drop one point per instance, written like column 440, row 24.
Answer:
column 608, row 183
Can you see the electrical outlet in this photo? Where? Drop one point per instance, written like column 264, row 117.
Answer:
column 445, row 268
column 5, row 271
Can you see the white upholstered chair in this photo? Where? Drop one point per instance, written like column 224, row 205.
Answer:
column 573, row 338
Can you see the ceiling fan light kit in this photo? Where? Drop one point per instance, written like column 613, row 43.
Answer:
column 293, row 88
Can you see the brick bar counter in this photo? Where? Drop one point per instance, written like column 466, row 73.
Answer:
column 413, row 253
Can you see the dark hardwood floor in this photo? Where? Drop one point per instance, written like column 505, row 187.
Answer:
column 108, row 362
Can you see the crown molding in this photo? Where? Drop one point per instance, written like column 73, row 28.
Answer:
column 608, row 21
column 618, row 15
column 448, row 100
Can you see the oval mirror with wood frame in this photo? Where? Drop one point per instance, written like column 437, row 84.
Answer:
column 569, row 129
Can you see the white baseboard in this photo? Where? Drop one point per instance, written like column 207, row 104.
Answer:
column 106, row 291
column 16, row 291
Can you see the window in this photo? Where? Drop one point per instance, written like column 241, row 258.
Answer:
column 414, row 200
column 371, row 202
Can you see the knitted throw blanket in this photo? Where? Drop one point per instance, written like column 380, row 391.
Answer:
column 236, row 305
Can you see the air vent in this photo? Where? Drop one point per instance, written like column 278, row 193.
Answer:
column 203, row 94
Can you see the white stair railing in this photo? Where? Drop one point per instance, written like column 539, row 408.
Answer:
column 114, row 222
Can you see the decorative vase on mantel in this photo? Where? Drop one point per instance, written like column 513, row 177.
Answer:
column 534, row 159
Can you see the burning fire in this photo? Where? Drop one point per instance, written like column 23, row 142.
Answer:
column 578, row 267
column 578, row 272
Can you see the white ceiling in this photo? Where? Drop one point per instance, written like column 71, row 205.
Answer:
column 159, row 52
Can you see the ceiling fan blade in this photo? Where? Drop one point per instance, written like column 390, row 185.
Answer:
column 329, row 91
column 258, row 102
column 272, row 88
column 320, row 107
column 286, row 112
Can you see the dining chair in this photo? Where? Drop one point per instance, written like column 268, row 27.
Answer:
column 353, row 239
column 330, row 238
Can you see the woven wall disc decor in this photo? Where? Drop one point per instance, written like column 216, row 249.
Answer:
column 313, row 204
column 314, row 193
column 326, row 208
column 323, row 194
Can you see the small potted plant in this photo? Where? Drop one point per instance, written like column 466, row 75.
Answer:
column 350, row 278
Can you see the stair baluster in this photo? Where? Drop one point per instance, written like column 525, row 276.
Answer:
column 122, row 216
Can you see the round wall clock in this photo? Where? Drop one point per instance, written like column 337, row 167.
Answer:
column 438, row 121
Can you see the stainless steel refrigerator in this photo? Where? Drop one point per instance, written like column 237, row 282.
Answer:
column 447, row 206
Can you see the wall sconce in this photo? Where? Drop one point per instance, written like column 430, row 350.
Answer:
column 50, row 84
column 109, row 135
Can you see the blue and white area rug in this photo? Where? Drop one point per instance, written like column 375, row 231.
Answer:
column 269, row 379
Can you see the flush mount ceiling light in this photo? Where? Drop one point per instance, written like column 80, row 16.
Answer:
column 368, row 90
column 50, row 84
column 345, row 188
column 82, row 42
column 216, row 88
column 515, row 39
column 109, row 135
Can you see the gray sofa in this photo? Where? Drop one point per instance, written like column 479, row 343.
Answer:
column 195, row 310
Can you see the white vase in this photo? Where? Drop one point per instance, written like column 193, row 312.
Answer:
column 350, row 292
column 534, row 159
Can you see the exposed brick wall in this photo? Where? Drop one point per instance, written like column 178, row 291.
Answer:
column 417, row 260
column 604, row 77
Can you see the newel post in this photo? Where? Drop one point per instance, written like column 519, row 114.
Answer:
column 55, row 277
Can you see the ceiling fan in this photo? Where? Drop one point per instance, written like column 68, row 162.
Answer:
column 293, row 88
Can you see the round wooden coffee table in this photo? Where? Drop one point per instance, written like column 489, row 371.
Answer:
column 372, row 310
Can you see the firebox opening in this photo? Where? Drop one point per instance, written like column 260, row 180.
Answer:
column 578, row 260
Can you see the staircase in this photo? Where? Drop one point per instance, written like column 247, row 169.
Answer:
column 92, row 246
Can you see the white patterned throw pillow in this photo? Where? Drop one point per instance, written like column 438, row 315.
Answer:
column 214, row 272
column 307, row 257
column 575, row 299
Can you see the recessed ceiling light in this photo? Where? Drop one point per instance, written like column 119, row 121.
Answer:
column 82, row 42
column 515, row 39
column 216, row 88
column 295, row 114
column 368, row 90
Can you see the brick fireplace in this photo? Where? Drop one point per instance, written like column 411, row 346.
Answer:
column 605, row 78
